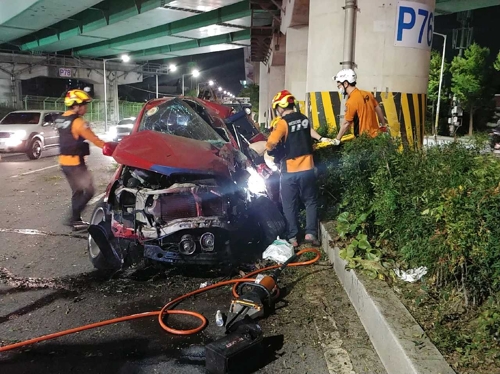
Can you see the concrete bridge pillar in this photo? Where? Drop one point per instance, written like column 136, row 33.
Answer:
column 296, row 62
column 5, row 90
column 391, row 54
column 112, row 100
column 272, row 80
column 263, row 95
column 10, row 90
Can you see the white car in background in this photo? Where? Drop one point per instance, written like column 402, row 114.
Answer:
column 124, row 128
column 29, row 131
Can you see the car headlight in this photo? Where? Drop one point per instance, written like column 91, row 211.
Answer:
column 18, row 135
column 256, row 183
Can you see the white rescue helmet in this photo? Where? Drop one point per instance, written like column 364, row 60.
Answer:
column 345, row 75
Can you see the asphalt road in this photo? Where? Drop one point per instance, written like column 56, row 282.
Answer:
column 314, row 329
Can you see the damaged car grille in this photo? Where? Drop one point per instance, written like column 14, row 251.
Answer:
column 177, row 206
column 212, row 205
column 190, row 205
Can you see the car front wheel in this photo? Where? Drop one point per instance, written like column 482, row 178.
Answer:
column 34, row 149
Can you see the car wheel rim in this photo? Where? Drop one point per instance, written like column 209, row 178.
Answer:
column 37, row 149
column 97, row 217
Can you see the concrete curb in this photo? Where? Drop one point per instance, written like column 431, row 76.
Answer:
column 400, row 342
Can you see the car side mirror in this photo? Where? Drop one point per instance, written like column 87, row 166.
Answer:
column 109, row 148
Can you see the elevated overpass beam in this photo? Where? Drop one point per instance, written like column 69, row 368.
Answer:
column 14, row 68
column 22, row 17
column 295, row 13
column 455, row 6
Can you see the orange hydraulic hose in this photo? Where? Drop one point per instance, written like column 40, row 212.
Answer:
column 165, row 310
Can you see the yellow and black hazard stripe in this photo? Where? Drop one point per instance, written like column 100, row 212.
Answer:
column 324, row 110
column 405, row 113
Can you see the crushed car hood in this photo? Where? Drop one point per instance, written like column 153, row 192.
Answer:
column 169, row 154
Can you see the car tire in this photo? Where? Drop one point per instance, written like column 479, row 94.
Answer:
column 96, row 256
column 35, row 148
column 271, row 221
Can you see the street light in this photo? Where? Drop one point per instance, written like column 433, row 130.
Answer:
column 220, row 88
column 194, row 73
column 124, row 58
column 440, row 84
column 210, row 83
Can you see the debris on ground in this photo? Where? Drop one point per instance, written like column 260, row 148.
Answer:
column 278, row 251
column 411, row 275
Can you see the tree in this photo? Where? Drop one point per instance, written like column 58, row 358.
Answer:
column 434, row 76
column 496, row 64
column 470, row 79
column 251, row 91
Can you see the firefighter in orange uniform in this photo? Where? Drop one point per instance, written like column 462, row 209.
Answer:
column 73, row 133
column 362, row 110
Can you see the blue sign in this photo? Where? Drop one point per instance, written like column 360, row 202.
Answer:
column 414, row 25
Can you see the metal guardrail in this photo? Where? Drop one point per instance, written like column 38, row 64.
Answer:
column 95, row 111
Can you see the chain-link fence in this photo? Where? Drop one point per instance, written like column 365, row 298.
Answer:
column 95, row 111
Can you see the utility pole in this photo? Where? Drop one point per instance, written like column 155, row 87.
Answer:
column 464, row 33
column 440, row 85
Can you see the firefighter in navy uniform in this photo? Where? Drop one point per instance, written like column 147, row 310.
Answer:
column 73, row 131
column 298, row 177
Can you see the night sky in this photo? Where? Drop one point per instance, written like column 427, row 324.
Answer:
column 486, row 31
column 225, row 68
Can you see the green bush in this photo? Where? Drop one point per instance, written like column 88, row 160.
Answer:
column 437, row 208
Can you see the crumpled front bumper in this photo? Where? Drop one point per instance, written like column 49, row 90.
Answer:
column 156, row 253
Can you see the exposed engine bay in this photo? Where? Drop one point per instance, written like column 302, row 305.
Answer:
column 186, row 215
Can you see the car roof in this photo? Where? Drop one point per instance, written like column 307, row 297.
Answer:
column 155, row 102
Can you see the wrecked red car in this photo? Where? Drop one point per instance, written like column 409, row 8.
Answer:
column 182, row 195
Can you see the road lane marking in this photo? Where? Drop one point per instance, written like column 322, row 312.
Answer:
column 38, row 232
column 97, row 198
column 24, row 231
column 34, row 171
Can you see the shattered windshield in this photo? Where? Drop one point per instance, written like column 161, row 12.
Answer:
column 175, row 117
